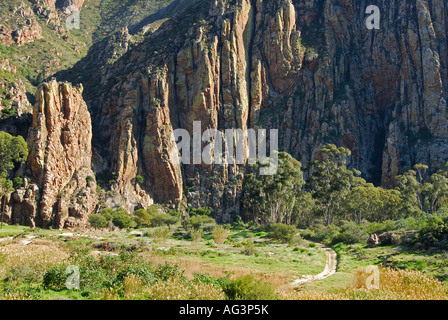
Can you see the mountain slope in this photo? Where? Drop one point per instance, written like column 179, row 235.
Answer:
column 311, row 69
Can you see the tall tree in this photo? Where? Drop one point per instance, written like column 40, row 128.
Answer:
column 13, row 150
column 274, row 198
column 330, row 180
column 420, row 194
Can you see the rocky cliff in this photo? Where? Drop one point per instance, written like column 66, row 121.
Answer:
column 310, row 68
column 60, row 158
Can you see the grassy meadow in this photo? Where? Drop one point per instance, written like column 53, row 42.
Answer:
column 166, row 263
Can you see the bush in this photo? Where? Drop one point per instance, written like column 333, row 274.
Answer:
column 282, row 232
column 161, row 234
column 153, row 210
column 55, row 278
column 98, row 221
column 321, row 233
column 142, row 218
column 350, row 233
column 207, row 279
column 206, row 211
column 139, row 179
column 382, row 227
column 144, row 273
column 163, row 219
column 246, row 288
column 122, row 219
column 167, row 271
column 196, row 235
column 23, row 273
column 119, row 217
column 220, row 234
column 89, row 179
column 197, row 222
column 17, row 183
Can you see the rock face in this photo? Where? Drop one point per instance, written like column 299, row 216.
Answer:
column 28, row 33
column 310, row 68
column 60, row 157
column 373, row 240
column 32, row 31
column 23, row 204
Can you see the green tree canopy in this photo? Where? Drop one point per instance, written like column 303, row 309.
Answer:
column 13, row 150
column 274, row 198
column 330, row 180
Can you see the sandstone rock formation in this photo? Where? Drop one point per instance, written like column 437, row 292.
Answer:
column 60, row 156
column 6, row 36
column 28, row 33
column 23, row 206
column 309, row 68
column 32, row 31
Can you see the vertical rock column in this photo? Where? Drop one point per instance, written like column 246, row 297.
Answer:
column 60, row 154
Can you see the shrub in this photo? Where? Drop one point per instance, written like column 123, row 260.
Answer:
column 153, row 210
column 246, row 288
column 207, row 279
column 220, row 234
column 55, row 278
column 139, row 179
column 166, row 271
column 161, row 234
column 382, row 227
column 142, row 218
column 17, row 183
column 196, row 235
column 203, row 211
column 282, row 232
column 180, row 289
column 249, row 248
column 163, row 219
column 144, row 273
column 89, row 179
column 321, row 233
column 98, row 221
column 23, row 273
column 350, row 233
column 198, row 221
column 119, row 217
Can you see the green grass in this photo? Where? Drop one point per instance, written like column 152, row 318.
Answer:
column 11, row 231
column 245, row 249
column 264, row 256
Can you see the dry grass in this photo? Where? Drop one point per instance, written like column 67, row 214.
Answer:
column 196, row 236
column 192, row 266
column 174, row 289
column 132, row 286
column 160, row 234
column 41, row 256
column 219, row 234
column 394, row 285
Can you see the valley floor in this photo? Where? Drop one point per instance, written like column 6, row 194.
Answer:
column 157, row 263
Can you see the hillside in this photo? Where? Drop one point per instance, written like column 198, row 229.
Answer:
column 294, row 124
column 326, row 78
column 36, row 43
column 312, row 70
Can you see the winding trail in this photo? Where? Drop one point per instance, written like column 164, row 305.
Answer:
column 330, row 267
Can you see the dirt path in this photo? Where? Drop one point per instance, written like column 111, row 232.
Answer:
column 330, row 267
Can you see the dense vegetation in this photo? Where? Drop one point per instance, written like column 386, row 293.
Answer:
column 13, row 151
column 335, row 204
